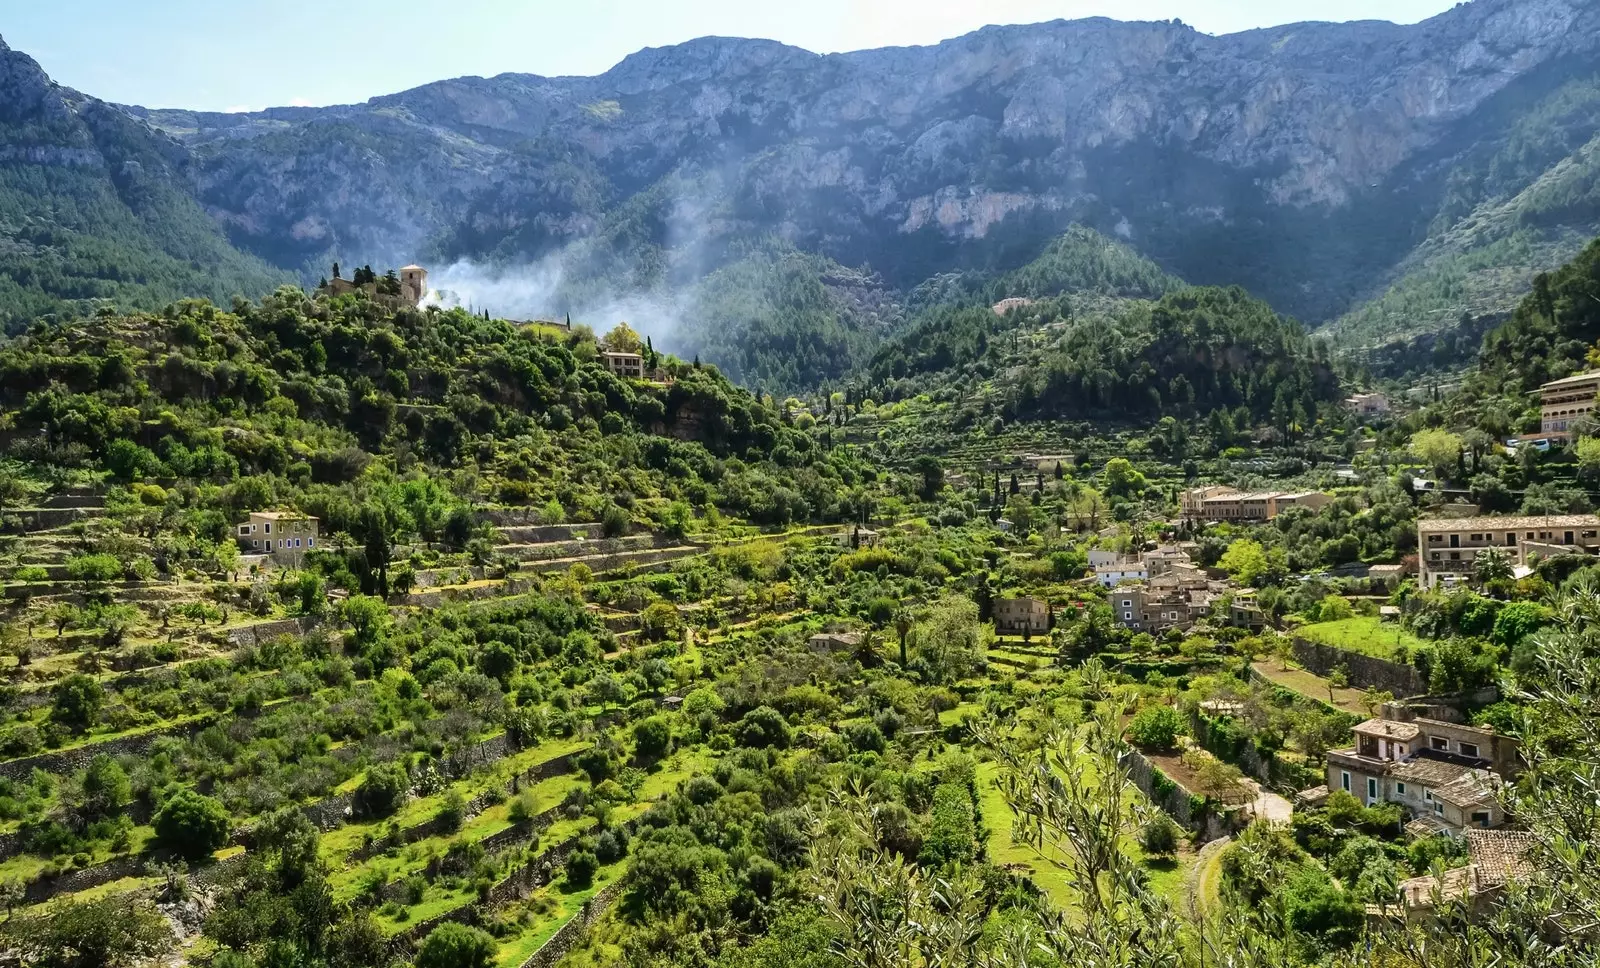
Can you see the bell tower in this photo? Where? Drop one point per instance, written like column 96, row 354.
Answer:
column 414, row 284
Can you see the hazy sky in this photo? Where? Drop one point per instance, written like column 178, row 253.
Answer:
column 247, row 54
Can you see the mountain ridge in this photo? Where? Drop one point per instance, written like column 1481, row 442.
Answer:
column 1311, row 163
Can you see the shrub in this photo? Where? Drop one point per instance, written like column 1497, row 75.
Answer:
column 614, row 523
column 1156, row 728
column 382, row 791
column 191, row 824
column 77, row 701
column 581, row 866
column 453, row 811
column 1159, row 835
column 764, row 727
column 453, row 945
column 611, row 846
column 651, row 737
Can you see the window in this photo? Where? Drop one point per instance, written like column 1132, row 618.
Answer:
column 1427, row 794
column 1127, row 603
column 1481, row 818
column 1455, row 556
column 1372, row 789
column 1439, row 742
column 1127, row 616
column 1469, row 749
column 1344, row 780
column 1400, row 789
column 1438, row 809
column 266, row 528
column 244, row 529
column 311, row 542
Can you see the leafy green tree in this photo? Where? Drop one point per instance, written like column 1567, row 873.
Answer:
column 581, row 867
column 106, row 788
column 1245, row 560
column 76, row 701
column 652, row 737
column 191, row 824
column 382, row 790
column 1122, row 480
column 1156, row 728
column 109, row 932
column 763, row 727
column 1440, row 450
column 951, row 641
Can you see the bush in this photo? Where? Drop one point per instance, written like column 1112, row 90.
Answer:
column 453, row 945
column 1159, row 836
column 192, row 825
column 614, row 523
column 651, row 737
column 453, row 812
column 763, row 727
column 581, row 867
column 382, row 791
column 77, row 701
column 1156, row 728
column 611, row 847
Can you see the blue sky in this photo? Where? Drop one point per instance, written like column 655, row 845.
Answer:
column 248, row 54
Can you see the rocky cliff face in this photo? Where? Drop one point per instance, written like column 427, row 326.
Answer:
column 1305, row 161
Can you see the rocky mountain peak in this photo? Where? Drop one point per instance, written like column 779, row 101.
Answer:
column 724, row 59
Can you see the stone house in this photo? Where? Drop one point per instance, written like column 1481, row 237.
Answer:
column 629, row 366
column 1445, row 774
column 285, row 535
column 1449, row 547
column 1022, row 616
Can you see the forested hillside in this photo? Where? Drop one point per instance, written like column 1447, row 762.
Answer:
column 94, row 206
column 314, row 403
column 1515, row 206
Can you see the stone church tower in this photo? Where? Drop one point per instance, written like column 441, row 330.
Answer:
column 413, row 284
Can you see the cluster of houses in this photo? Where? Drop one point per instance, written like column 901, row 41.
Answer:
column 1218, row 502
column 1152, row 591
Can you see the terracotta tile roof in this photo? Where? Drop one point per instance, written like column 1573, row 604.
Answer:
column 1390, row 729
column 1429, row 772
column 1501, row 856
column 1491, row 523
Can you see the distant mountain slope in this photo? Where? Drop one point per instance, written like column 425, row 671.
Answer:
column 1513, row 208
column 1305, row 162
column 93, row 205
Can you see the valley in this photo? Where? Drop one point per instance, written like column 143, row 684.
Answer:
column 1083, row 493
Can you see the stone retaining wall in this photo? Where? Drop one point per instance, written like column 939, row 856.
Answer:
column 72, row 760
column 267, row 631
column 569, row 934
column 439, row 596
column 623, row 559
column 1176, row 802
column 44, row 888
column 1365, row 672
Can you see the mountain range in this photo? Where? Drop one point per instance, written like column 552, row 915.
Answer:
column 1376, row 179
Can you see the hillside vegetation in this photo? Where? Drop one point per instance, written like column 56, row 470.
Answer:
column 94, row 206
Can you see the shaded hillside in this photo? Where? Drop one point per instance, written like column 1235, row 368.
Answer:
column 95, row 205
column 1512, row 208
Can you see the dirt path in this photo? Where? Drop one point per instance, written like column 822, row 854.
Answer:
column 1195, row 887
